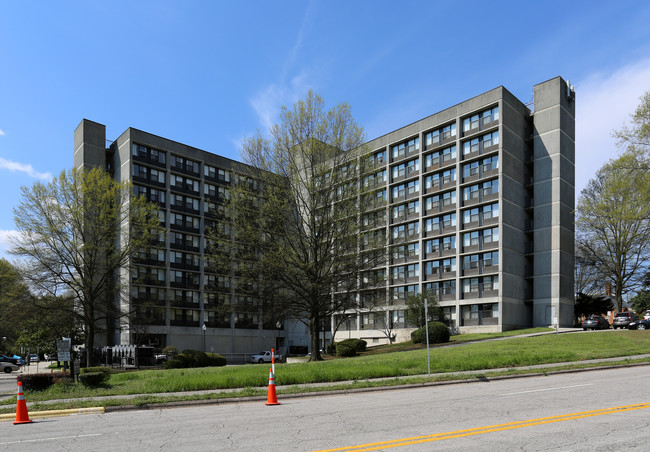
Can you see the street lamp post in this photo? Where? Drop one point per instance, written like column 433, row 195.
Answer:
column 426, row 329
column 203, row 328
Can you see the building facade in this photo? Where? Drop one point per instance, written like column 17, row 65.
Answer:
column 475, row 204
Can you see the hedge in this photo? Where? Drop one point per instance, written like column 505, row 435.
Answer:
column 345, row 349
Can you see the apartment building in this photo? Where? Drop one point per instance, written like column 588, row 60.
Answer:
column 474, row 204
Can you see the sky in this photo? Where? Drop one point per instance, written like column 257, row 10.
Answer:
column 210, row 73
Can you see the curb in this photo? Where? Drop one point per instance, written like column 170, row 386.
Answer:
column 477, row 379
column 56, row 413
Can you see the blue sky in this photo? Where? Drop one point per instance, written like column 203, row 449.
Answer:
column 208, row 73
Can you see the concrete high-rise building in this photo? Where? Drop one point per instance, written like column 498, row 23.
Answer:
column 475, row 203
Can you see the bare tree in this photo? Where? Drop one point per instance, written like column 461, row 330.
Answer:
column 295, row 216
column 78, row 235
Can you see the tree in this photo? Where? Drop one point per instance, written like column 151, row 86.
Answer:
column 16, row 305
column 78, row 235
column 295, row 217
column 415, row 315
column 613, row 222
column 587, row 305
column 637, row 135
column 641, row 301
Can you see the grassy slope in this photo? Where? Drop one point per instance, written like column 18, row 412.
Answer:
column 487, row 355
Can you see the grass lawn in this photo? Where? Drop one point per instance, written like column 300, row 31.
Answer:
column 253, row 378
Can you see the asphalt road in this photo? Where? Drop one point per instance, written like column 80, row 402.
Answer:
column 530, row 414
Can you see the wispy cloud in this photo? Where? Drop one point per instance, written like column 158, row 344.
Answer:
column 25, row 168
column 268, row 101
column 1, row 133
column 604, row 103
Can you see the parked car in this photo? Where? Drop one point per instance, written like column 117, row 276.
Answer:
column 646, row 315
column 595, row 322
column 643, row 324
column 623, row 319
column 265, row 357
column 7, row 359
column 8, row 367
column 33, row 358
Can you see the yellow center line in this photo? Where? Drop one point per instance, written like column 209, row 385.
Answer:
column 487, row 429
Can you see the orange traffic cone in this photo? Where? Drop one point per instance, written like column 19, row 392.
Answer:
column 272, row 398
column 22, row 416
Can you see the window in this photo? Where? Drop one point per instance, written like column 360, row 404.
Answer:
column 449, row 243
column 432, row 181
column 470, row 146
column 449, row 153
column 399, row 191
column 412, row 229
column 490, row 259
column 490, row 115
column 471, row 238
column 184, row 164
column 491, row 235
column 471, row 123
column 399, row 231
column 151, row 194
column 449, row 131
column 149, row 174
column 432, row 159
column 377, row 158
column 413, row 249
column 470, row 262
column 412, row 270
column 184, row 202
column 413, row 207
column 398, row 211
column 471, row 169
column 399, row 272
column 433, row 202
column 432, row 137
column 490, row 139
column 432, row 246
column 490, row 187
column 216, row 173
column 470, row 192
column 413, row 187
column 449, row 265
column 432, row 224
column 399, row 171
column 138, row 150
column 412, row 166
column 432, row 268
column 410, row 146
column 184, row 183
column 490, row 163
column 491, row 282
column 449, row 220
column 449, row 198
column 470, row 215
column 449, row 176
column 470, row 285
column 491, row 211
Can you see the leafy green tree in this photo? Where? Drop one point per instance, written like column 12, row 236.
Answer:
column 16, row 305
column 47, row 324
column 641, row 301
column 612, row 220
column 415, row 314
column 78, row 236
column 295, row 217
column 637, row 134
column 587, row 305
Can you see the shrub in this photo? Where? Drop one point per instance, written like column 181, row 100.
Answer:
column 358, row 344
column 93, row 379
column 438, row 333
column 216, row 360
column 331, row 348
column 35, row 382
column 195, row 358
column 345, row 349
column 170, row 350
